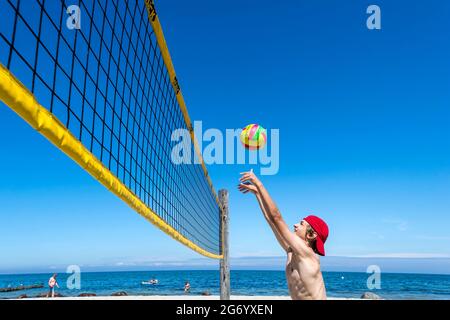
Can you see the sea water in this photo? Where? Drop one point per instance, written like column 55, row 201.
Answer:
column 243, row 282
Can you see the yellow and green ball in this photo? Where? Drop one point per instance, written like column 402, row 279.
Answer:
column 253, row 137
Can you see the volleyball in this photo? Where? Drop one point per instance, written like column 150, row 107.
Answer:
column 253, row 137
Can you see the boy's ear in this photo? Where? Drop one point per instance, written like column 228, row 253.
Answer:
column 313, row 235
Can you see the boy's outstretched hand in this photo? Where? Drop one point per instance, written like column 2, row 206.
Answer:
column 245, row 188
column 249, row 182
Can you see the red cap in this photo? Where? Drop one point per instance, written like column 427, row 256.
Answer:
column 321, row 228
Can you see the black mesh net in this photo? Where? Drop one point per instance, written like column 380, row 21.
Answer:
column 108, row 84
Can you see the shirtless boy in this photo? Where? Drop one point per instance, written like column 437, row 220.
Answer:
column 302, row 246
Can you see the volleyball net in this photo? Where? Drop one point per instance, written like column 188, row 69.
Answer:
column 102, row 88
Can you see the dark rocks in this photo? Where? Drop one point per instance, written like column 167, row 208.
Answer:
column 87, row 295
column 119, row 294
column 22, row 296
column 206, row 293
column 371, row 296
column 21, row 287
column 44, row 295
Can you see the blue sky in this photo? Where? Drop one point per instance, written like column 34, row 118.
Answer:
column 364, row 136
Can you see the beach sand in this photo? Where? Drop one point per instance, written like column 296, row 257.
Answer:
column 187, row 297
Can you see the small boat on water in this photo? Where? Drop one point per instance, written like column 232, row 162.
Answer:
column 152, row 281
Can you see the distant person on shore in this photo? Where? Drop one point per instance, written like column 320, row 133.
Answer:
column 187, row 287
column 51, row 284
column 304, row 278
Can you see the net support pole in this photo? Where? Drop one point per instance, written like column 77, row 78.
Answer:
column 224, row 262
